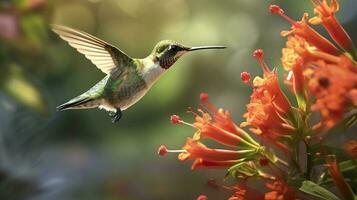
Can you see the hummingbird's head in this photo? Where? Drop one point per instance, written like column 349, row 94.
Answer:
column 167, row 52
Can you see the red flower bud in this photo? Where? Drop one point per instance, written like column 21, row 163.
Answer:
column 175, row 119
column 162, row 150
column 258, row 54
column 202, row 197
column 245, row 76
column 204, row 97
column 275, row 9
column 263, row 162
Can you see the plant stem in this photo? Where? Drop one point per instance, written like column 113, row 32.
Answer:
column 295, row 157
column 308, row 160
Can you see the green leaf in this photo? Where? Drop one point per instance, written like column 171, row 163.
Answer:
column 270, row 155
column 346, row 123
column 313, row 189
column 16, row 84
column 246, row 168
column 33, row 27
column 301, row 100
column 348, row 165
column 350, row 120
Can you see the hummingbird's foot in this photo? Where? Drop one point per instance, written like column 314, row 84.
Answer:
column 112, row 114
column 116, row 116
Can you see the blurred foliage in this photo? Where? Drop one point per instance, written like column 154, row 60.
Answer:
column 81, row 154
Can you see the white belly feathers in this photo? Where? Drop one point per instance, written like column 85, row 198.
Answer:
column 151, row 72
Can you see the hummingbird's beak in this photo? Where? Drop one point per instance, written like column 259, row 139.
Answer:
column 205, row 47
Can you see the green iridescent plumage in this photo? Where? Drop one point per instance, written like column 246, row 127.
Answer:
column 128, row 79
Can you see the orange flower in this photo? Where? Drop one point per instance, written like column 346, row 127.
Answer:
column 303, row 30
column 294, row 57
column 351, row 148
column 196, row 150
column 326, row 17
column 352, row 95
column 220, row 118
column 280, row 191
column 319, row 71
column 206, row 164
column 202, row 197
column 242, row 192
column 332, row 83
column 267, row 105
column 218, row 134
column 217, row 125
column 338, row 178
column 206, row 157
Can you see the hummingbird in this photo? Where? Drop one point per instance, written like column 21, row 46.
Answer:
column 127, row 79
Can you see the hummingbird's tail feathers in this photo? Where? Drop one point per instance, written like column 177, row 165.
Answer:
column 78, row 103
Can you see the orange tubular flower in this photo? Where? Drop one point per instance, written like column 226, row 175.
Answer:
column 331, row 83
column 303, row 30
column 294, row 56
column 339, row 180
column 206, row 164
column 267, row 105
column 217, row 125
column 351, row 148
column 196, row 150
column 319, row 71
column 326, row 17
column 217, row 134
column 202, row 197
column 242, row 192
column 280, row 191
column 211, row 158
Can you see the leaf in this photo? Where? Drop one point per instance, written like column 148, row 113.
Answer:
column 17, row 85
column 348, row 165
column 350, row 120
column 245, row 168
column 343, row 125
column 270, row 155
column 313, row 189
column 33, row 27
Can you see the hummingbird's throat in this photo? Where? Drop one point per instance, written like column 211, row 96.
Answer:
column 167, row 61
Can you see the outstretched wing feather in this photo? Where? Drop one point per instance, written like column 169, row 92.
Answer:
column 105, row 56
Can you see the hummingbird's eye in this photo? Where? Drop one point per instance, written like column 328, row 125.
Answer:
column 173, row 47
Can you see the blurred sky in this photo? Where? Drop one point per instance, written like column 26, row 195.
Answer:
column 80, row 154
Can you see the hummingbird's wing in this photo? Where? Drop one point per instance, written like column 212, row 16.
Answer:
column 105, row 56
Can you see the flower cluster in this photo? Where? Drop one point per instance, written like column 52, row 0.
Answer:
column 268, row 109
column 323, row 79
column 217, row 125
column 318, row 68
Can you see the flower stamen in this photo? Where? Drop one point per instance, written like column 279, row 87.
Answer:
column 259, row 55
column 275, row 9
column 163, row 150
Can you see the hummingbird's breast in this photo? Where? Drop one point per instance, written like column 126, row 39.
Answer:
column 151, row 71
column 125, row 92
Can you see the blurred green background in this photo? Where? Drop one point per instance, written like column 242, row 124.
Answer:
column 80, row 154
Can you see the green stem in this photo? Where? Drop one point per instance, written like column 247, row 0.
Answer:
column 295, row 157
column 308, row 161
column 353, row 53
column 249, row 144
column 282, row 162
column 247, row 136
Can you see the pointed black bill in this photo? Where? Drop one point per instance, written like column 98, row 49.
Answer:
column 206, row 47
